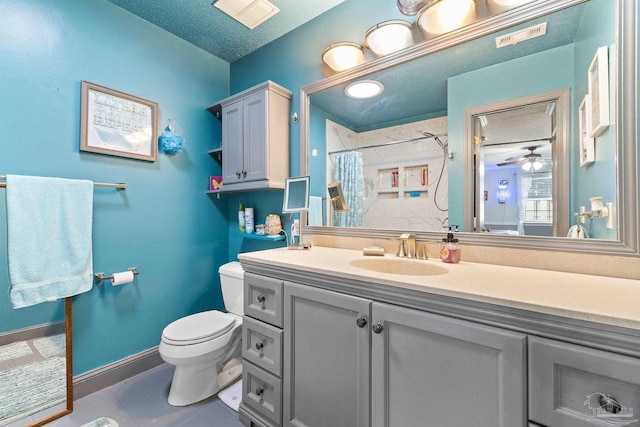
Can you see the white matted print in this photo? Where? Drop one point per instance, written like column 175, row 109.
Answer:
column 586, row 141
column 599, row 91
column 118, row 124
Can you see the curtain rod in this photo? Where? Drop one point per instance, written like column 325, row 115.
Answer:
column 117, row 185
column 388, row 143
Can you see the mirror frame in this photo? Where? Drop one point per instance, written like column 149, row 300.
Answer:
column 627, row 131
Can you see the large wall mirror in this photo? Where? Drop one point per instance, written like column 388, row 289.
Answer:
column 493, row 141
column 36, row 379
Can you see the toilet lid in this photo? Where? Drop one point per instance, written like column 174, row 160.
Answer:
column 199, row 327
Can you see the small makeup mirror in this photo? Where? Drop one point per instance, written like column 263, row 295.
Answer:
column 338, row 202
column 296, row 199
column 296, row 195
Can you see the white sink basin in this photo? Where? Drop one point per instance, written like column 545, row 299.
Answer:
column 404, row 266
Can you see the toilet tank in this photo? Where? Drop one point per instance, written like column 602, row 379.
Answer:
column 232, row 284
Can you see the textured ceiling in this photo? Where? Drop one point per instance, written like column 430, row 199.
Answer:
column 202, row 24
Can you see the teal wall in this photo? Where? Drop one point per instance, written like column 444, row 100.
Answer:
column 164, row 224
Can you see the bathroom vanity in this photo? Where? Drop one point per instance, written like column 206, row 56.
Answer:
column 329, row 344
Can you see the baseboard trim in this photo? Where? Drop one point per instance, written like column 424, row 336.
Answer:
column 108, row 375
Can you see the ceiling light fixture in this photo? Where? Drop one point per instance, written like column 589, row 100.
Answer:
column 342, row 56
column 499, row 6
column 446, row 15
column 388, row 37
column 364, row 89
column 532, row 163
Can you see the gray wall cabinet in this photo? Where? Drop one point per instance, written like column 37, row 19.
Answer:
column 326, row 351
column 255, row 138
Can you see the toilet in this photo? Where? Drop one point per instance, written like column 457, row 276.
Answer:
column 205, row 347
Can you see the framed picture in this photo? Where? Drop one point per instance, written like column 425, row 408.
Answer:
column 118, row 124
column 599, row 91
column 587, row 142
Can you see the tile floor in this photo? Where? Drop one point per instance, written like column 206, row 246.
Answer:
column 141, row 401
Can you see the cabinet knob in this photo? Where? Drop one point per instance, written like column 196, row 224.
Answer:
column 238, row 174
column 261, row 298
column 377, row 328
column 244, row 173
column 259, row 391
column 609, row 403
column 259, row 345
column 361, row 322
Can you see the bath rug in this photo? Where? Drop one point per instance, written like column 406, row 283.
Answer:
column 232, row 395
column 101, row 422
column 31, row 388
column 14, row 350
column 54, row 345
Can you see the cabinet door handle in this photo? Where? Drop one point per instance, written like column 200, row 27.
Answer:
column 238, row 174
column 361, row 322
column 259, row 391
column 259, row 345
column 244, row 173
column 261, row 298
column 609, row 403
column 377, row 328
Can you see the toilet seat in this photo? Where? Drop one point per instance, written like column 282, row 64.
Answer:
column 198, row 328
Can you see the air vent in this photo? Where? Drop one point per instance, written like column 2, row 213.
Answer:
column 249, row 13
column 522, row 35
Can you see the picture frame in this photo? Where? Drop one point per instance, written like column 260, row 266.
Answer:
column 586, row 142
column 118, row 124
column 598, row 81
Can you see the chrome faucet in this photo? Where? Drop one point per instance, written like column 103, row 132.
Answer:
column 407, row 245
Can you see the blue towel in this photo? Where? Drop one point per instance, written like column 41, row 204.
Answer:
column 49, row 224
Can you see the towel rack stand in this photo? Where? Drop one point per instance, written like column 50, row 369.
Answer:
column 117, row 185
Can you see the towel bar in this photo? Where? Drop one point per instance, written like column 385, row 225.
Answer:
column 98, row 278
column 117, row 185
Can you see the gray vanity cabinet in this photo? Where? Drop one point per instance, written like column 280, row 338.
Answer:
column 326, row 358
column 346, row 357
column 432, row 370
column 255, row 138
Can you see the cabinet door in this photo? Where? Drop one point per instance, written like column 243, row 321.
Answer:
column 255, row 136
column 232, row 143
column 326, row 358
column 431, row 370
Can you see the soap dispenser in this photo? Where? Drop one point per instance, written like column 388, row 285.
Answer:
column 450, row 249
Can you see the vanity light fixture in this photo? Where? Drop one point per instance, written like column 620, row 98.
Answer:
column 499, row 6
column 388, row 37
column 445, row 15
column 343, row 55
column 362, row 89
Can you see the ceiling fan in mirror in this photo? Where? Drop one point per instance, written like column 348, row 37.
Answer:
column 529, row 161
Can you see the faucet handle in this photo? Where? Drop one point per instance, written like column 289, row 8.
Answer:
column 401, row 249
column 421, row 250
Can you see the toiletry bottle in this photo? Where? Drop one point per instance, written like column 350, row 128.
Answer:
column 248, row 220
column 241, row 224
column 450, row 249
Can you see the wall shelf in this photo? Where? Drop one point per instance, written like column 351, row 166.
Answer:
column 254, row 236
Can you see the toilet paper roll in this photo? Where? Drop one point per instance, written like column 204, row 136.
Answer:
column 122, row 278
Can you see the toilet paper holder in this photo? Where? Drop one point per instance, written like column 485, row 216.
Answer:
column 98, row 278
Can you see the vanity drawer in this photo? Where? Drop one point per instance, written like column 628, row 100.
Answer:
column 566, row 382
column 262, row 345
column 262, row 392
column 263, row 298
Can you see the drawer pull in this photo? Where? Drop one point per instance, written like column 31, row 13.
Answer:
column 259, row 391
column 261, row 298
column 377, row 328
column 361, row 322
column 259, row 345
column 609, row 403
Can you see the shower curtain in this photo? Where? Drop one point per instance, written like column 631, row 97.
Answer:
column 348, row 170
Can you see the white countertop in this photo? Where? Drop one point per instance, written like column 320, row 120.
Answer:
column 599, row 299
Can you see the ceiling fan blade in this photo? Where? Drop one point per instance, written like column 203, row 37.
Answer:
column 512, row 162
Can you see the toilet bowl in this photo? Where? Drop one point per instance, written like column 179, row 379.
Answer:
column 205, row 347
